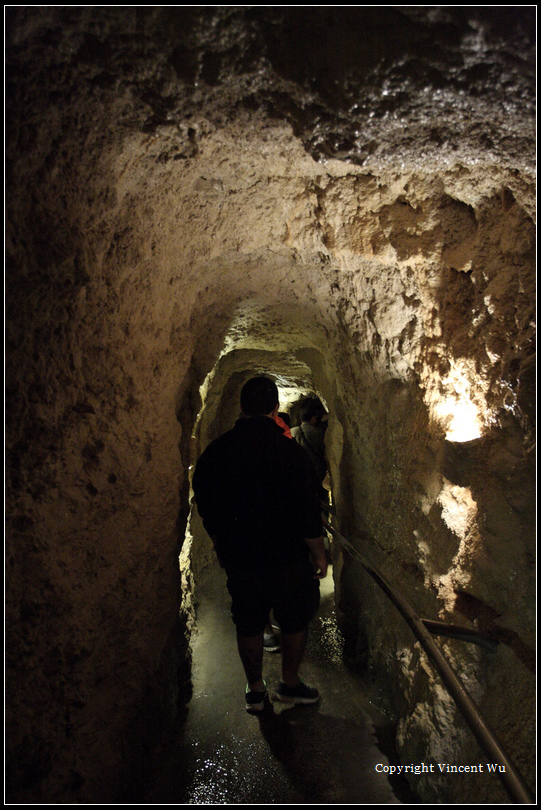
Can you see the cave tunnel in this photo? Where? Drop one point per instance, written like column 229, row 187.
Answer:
column 342, row 198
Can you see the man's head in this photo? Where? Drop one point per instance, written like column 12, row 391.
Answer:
column 259, row 396
column 310, row 413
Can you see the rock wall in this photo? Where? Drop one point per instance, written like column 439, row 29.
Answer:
column 168, row 234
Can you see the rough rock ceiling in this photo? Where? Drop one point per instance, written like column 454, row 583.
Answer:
column 363, row 84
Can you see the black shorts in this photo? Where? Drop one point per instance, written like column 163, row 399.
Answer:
column 292, row 593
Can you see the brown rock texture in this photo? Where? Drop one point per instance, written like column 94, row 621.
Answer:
column 342, row 197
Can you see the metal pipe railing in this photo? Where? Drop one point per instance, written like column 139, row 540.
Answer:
column 461, row 633
column 484, row 734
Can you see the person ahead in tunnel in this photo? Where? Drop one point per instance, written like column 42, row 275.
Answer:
column 310, row 434
column 257, row 495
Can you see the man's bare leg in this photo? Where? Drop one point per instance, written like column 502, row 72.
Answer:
column 251, row 654
column 293, row 646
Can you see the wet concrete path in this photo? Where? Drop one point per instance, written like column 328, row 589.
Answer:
column 322, row 754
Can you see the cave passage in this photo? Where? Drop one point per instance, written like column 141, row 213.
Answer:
column 343, row 750
column 341, row 197
column 336, row 752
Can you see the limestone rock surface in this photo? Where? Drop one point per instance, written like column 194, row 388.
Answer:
column 342, row 197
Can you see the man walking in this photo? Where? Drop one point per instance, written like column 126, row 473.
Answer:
column 257, row 494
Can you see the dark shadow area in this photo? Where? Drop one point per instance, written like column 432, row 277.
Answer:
column 329, row 759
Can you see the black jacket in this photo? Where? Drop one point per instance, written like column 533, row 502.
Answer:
column 257, row 494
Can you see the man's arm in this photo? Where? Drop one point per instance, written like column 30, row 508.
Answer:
column 318, row 555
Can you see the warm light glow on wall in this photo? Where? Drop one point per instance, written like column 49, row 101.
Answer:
column 458, row 509
column 459, row 513
column 455, row 407
column 461, row 417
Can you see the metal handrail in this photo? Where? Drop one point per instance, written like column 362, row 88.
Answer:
column 485, row 735
column 462, row 633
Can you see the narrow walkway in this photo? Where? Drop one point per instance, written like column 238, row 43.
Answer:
column 323, row 754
